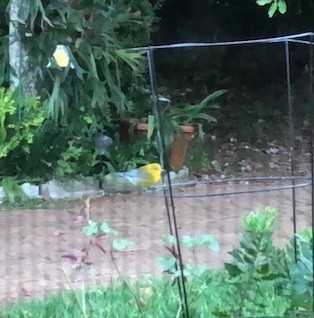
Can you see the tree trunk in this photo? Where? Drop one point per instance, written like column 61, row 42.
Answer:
column 21, row 75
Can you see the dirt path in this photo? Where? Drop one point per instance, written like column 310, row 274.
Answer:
column 32, row 242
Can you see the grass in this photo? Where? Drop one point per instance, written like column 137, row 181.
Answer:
column 209, row 295
column 145, row 299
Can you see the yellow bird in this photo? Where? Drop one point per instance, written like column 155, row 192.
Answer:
column 144, row 176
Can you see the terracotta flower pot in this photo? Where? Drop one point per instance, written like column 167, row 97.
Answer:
column 179, row 146
column 142, row 129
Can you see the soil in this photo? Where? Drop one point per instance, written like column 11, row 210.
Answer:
column 32, row 242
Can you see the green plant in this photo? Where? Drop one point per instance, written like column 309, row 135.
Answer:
column 125, row 156
column 19, row 121
column 96, row 35
column 95, row 232
column 75, row 160
column 257, row 260
column 13, row 191
column 106, row 82
column 168, row 264
column 275, row 5
column 200, row 156
column 301, row 275
column 183, row 114
column 191, row 114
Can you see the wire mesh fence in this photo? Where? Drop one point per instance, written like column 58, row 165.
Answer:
column 43, row 250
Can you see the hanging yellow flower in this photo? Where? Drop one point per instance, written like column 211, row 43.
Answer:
column 61, row 56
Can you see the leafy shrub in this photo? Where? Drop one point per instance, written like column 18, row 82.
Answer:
column 14, row 131
column 87, row 99
column 301, row 275
column 75, row 160
column 13, row 191
column 20, row 121
column 94, row 33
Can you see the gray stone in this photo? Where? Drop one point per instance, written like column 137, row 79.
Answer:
column 52, row 189
column 181, row 176
column 82, row 184
column 56, row 190
column 32, row 191
column 2, row 194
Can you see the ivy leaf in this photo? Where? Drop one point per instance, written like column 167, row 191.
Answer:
column 121, row 244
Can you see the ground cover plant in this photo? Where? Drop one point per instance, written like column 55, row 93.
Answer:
column 261, row 280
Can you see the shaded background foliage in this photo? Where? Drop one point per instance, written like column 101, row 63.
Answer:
column 254, row 75
column 106, row 86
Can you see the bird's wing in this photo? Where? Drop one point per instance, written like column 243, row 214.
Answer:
column 133, row 176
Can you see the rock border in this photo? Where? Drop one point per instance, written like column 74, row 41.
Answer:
column 80, row 187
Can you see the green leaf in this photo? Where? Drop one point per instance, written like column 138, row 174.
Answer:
column 188, row 241
column 151, row 126
column 12, row 190
column 272, row 9
column 93, row 68
column 105, row 228
column 169, row 239
column 91, row 229
column 211, row 97
column 166, row 263
column 263, row 2
column 237, row 255
column 3, row 135
column 282, row 6
column 301, row 288
column 209, row 241
column 233, row 270
column 207, row 117
column 201, row 132
column 121, row 244
column 133, row 59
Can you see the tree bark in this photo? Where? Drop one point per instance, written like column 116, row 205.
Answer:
column 21, row 75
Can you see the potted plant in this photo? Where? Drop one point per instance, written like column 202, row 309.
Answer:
column 179, row 123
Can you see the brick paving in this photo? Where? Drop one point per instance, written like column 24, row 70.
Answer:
column 32, row 242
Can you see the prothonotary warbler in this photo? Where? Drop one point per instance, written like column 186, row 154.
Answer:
column 144, row 176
